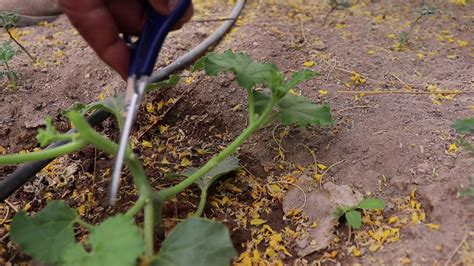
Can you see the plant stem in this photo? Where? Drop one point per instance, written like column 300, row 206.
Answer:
column 105, row 144
column 44, row 154
column 148, row 228
column 136, row 207
column 20, row 45
column 84, row 224
column 251, row 106
column 202, row 204
column 168, row 193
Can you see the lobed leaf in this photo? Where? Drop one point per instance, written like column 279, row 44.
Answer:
column 227, row 165
column 299, row 77
column 172, row 81
column 248, row 72
column 6, row 52
column 354, row 219
column 116, row 241
column 50, row 134
column 464, row 125
column 295, row 109
column 45, row 236
column 371, row 204
column 197, row 242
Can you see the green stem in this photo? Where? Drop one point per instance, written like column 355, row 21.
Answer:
column 202, row 204
column 148, row 229
column 136, row 207
column 105, row 144
column 169, row 193
column 251, row 106
column 84, row 224
column 44, row 154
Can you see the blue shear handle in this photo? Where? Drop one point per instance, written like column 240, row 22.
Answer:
column 145, row 52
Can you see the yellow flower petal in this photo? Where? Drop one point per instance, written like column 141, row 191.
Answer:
column 309, row 63
column 257, row 221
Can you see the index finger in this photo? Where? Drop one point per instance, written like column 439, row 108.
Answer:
column 97, row 26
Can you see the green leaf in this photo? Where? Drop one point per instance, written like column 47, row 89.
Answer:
column 464, row 125
column 116, row 241
column 354, row 219
column 261, row 100
column 227, row 165
column 9, row 19
column 50, row 134
column 45, row 236
column 172, row 81
column 370, row 204
column 339, row 212
column 299, row 77
column 197, row 242
column 248, row 72
column 114, row 105
column 295, row 109
column 6, row 52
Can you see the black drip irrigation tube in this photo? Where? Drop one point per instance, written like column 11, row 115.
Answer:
column 28, row 171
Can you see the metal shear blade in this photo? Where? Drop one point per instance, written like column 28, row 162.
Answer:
column 144, row 53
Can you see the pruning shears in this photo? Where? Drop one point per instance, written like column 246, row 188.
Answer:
column 144, row 53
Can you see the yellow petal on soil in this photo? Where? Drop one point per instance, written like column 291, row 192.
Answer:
column 276, row 238
column 453, row 148
column 170, row 101
column 82, row 209
column 393, row 219
column 318, row 177
column 150, row 108
column 233, row 188
column 309, row 63
column 323, row 92
column 463, row 43
column 433, row 226
column 244, row 259
column 270, row 252
column 27, row 207
column 356, row 252
column 147, row 144
column 256, row 256
column 160, row 105
column 163, row 128
column 420, row 55
column 374, row 247
column 185, row 162
column 257, row 221
column 322, row 166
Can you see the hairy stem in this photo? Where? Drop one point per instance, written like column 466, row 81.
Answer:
column 136, row 207
column 44, row 154
column 202, row 204
column 172, row 191
column 84, row 224
column 251, row 106
column 148, row 228
column 105, row 144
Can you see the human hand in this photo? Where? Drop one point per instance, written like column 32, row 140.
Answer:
column 101, row 21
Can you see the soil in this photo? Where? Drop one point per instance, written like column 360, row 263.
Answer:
column 391, row 135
